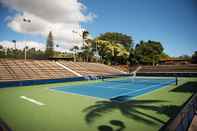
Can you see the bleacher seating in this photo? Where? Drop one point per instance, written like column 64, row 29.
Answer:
column 11, row 70
column 169, row 68
column 16, row 70
column 85, row 68
column 163, row 68
column 122, row 67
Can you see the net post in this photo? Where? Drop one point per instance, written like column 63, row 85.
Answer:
column 176, row 79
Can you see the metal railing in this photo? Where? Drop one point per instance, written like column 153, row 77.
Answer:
column 184, row 118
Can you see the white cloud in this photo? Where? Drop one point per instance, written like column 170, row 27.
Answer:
column 61, row 17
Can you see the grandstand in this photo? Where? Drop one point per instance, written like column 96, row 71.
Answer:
column 161, row 69
column 85, row 68
column 12, row 70
column 169, row 68
column 30, row 72
column 16, row 70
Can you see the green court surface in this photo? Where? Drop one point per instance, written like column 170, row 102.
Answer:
column 71, row 112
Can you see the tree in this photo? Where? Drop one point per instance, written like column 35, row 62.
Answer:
column 32, row 53
column 87, row 53
column 148, row 52
column 75, row 48
column 185, row 57
column 1, row 52
column 132, row 57
column 113, row 47
column 49, row 52
column 111, row 53
column 1, row 47
column 117, row 38
column 194, row 57
column 163, row 55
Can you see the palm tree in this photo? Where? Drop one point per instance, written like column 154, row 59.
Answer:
column 4, row 126
column 85, row 36
column 87, row 53
column 75, row 48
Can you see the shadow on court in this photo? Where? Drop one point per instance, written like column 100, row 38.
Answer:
column 172, row 110
column 129, row 109
column 189, row 87
column 4, row 126
column 169, row 110
column 105, row 128
column 117, row 123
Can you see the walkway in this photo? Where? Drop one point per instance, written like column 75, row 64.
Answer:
column 193, row 126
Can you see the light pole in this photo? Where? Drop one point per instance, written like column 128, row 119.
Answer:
column 97, row 53
column 74, row 48
column 6, row 51
column 76, row 32
column 82, row 34
column 14, row 41
column 26, row 47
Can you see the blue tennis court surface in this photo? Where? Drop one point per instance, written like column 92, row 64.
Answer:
column 113, row 88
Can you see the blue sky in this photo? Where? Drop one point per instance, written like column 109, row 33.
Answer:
column 172, row 22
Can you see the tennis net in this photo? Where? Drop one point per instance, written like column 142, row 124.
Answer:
column 117, row 78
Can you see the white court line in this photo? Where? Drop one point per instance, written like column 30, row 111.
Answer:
column 71, row 93
column 131, row 90
column 32, row 100
column 144, row 89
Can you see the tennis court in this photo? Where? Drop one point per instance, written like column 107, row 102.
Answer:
column 117, row 88
column 42, row 107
